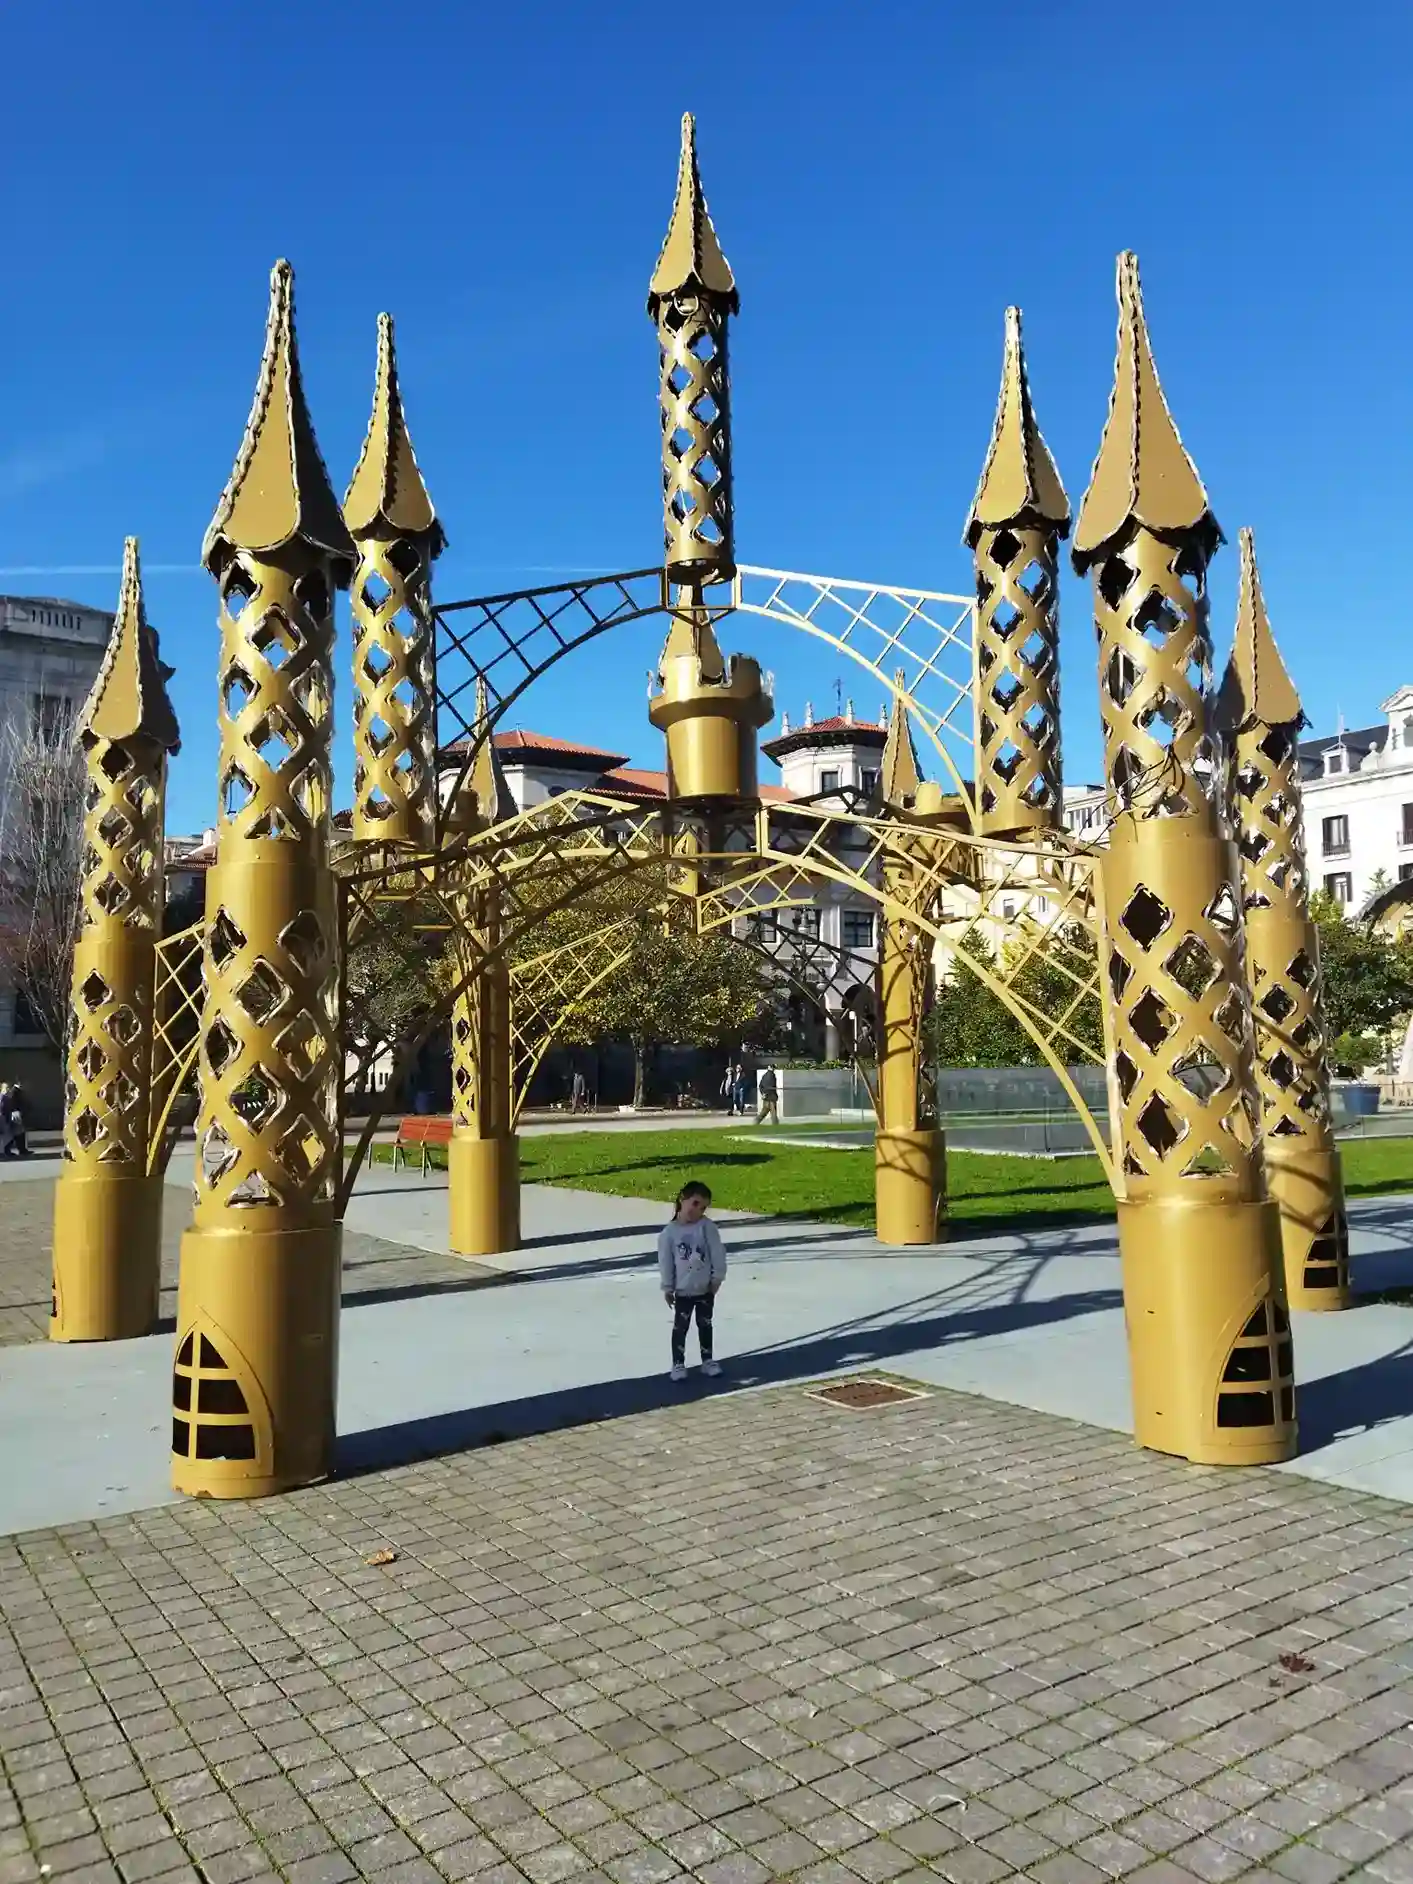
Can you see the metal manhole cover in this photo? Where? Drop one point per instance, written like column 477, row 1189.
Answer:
column 866, row 1393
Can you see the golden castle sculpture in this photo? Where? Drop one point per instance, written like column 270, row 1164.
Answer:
column 1168, row 930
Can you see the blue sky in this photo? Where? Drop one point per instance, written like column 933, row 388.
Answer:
column 885, row 178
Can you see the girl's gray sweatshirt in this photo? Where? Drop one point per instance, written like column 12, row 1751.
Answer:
column 691, row 1258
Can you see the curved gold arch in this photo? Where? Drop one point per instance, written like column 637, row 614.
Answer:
column 607, row 840
column 922, row 625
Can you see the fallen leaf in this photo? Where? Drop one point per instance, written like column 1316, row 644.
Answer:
column 1297, row 1665
column 382, row 1556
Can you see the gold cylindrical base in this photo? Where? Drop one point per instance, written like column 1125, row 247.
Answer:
column 256, row 1377
column 1307, row 1184
column 910, row 1186
column 107, row 1255
column 1208, row 1333
column 483, row 1195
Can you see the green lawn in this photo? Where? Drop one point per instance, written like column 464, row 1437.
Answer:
column 837, row 1186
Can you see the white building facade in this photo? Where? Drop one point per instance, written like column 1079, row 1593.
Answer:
column 1357, row 789
column 50, row 653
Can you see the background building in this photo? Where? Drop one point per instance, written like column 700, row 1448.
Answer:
column 1358, row 793
column 50, row 653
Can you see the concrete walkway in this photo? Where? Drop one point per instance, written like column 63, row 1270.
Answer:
column 1030, row 1319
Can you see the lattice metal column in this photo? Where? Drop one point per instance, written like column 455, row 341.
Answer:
column 390, row 517
column 691, row 296
column 257, row 1318
column 1260, row 716
column 483, row 1159
column 1209, row 1335
column 108, row 1203
column 1017, row 518
column 910, row 1170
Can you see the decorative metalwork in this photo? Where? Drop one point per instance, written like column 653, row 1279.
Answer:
column 1017, row 518
column 391, row 519
column 1199, row 1239
column 1260, row 717
column 260, row 1263
column 691, row 297
column 107, row 1210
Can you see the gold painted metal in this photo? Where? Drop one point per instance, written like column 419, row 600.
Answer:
column 710, row 710
column 483, row 1158
column 1208, row 1329
column 909, row 1168
column 1017, row 518
column 391, row 519
column 257, row 1316
column 1260, row 717
column 691, row 296
column 108, row 1202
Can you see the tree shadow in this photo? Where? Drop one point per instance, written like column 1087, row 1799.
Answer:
column 815, row 1356
column 1359, row 1400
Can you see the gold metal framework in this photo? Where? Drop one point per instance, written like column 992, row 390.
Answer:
column 1260, row 716
column 108, row 1203
column 255, row 1371
column 1209, row 1340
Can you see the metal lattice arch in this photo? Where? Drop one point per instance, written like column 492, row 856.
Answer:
column 1153, row 929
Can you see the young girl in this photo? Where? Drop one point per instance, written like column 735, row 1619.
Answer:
column 691, row 1263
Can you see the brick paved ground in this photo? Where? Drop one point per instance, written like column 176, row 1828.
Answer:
column 371, row 1267
column 747, row 1638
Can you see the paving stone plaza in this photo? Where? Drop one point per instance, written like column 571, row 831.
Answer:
column 748, row 1636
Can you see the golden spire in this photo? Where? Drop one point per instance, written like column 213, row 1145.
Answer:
column 486, row 780
column 1142, row 474
column 692, row 634
column 1019, row 482
column 129, row 698
column 1256, row 688
column 279, row 491
column 899, row 776
column 691, row 260
column 386, row 494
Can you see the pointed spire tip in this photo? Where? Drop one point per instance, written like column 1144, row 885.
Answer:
column 1142, row 474
column 387, row 495
column 691, row 260
column 1019, row 482
column 129, row 700
column 279, row 490
column 1256, row 689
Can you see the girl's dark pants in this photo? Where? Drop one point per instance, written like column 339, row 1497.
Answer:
column 683, row 1308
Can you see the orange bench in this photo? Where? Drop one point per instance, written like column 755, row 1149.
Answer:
column 425, row 1131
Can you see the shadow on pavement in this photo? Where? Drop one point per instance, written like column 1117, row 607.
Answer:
column 1357, row 1401
column 812, row 1357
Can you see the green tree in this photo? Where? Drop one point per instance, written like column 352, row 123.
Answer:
column 970, row 1025
column 1368, row 977
column 673, row 988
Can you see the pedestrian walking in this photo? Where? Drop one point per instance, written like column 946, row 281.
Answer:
column 727, row 1089
column 768, row 1092
column 740, row 1089
column 13, row 1142
column 691, row 1263
column 578, row 1092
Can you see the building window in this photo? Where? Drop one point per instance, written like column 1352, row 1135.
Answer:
column 1404, row 872
column 858, row 928
column 1008, row 909
column 829, row 781
column 1341, row 887
column 1334, row 836
column 761, row 928
column 25, row 1021
column 870, row 780
column 805, row 922
column 1408, row 824
column 1334, row 761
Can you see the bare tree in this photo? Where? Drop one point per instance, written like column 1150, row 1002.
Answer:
column 43, row 784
